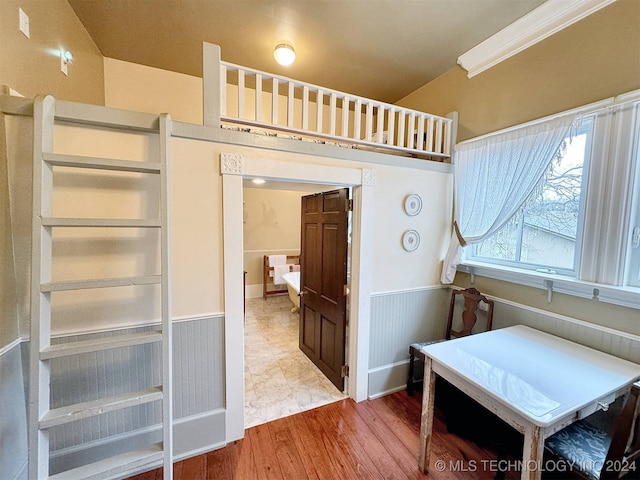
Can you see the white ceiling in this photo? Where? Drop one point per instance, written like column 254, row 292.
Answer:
column 380, row 49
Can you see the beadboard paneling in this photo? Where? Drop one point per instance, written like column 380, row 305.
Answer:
column 397, row 320
column 80, row 378
column 198, row 366
column 620, row 344
column 13, row 416
column 198, row 381
column 401, row 318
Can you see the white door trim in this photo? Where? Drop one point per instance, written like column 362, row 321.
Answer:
column 234, row 167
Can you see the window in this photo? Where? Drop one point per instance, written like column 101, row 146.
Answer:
column 543, row 235
column 579, row 231
column 633, row 268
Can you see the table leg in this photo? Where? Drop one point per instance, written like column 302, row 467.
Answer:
column 532, row 453
column 426, row 419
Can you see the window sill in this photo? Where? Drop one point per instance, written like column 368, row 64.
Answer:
column 624, row 296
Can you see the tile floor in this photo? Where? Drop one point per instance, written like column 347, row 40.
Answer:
column 279, row 379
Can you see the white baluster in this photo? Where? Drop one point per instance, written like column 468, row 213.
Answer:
column 420, row 138
column 380, row 136
column 223, row 90
column 320, row 108
column 274, row 101
column 411, row 130
column 240, row 93
column 357, row 120
column 391, row 124
column 447, row 138
column 369, row 122
column 290, row 100
column 438, row 146
column 305, row 108
column 429, row 145
column 345, row 116
column 258, row 97
column 332, row 111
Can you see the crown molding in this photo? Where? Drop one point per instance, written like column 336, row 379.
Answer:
column 549, row 18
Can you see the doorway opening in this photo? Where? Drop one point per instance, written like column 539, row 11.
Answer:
column 280, row 380
column 234, row 167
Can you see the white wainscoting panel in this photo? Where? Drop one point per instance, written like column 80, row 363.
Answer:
column 401, row 318
column 198, row 391
column 620, row 344
column 13, row 415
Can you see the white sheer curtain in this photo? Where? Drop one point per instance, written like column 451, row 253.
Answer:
column 493, row 176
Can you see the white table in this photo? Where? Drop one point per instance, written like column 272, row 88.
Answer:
column 536, row 382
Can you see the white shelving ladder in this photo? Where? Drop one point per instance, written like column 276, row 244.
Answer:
column 41, row 418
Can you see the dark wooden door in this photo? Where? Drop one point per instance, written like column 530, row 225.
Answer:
column 323, row 279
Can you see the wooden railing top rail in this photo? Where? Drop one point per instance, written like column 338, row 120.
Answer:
column 338, row 93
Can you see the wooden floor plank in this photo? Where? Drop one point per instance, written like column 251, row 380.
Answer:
column 234, row 461
column 408, row 435
column 289, row 458
column 332, row 453
column 356, row 431
column 374, row 439
column 405, row 458
column 267, row 465
column 314, row 455
column 194, row 467
column 346, row 446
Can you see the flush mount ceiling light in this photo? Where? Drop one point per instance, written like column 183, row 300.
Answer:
column 284, row 54
column 258, row 181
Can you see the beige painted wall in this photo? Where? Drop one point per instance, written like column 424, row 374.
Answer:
column 271, row 227
column 394, row 269
column 146, row 89
column 98, row 253
column 31, row 66
column 596, row 58
column 8, row 292
column 198, row 253
column 16, row 236
column 197, row 271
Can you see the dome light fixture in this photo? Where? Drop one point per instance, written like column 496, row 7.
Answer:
column 284, row 54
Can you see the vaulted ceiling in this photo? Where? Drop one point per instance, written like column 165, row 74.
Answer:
column 380, row 49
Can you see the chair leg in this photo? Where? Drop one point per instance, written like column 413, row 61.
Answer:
column 410, row 376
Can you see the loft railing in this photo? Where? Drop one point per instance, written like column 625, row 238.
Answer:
column 254, row 98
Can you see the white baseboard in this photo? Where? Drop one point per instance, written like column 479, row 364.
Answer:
column 388, row 379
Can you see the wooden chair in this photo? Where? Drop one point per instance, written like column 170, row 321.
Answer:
column 594, row 454
column 472, row 299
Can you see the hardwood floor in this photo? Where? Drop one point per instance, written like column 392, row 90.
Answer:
column 374, row 439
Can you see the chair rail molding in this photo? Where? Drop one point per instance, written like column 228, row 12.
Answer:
column 542, row 22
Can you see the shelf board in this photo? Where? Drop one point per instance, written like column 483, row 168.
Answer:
column 101, row 283
column 98, row 344
column 101, row 222
column 100, row 163
column 78, row 411
column 114, row 467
